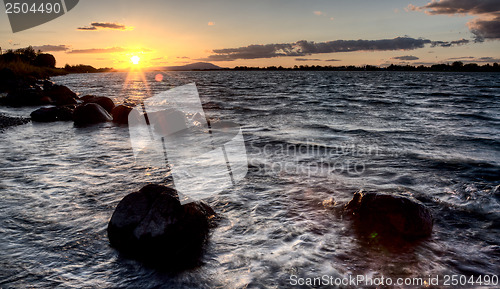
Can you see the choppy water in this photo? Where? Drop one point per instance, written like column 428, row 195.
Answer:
column 310, row 137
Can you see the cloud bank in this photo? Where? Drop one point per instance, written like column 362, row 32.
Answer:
column 51, row 48
column 305, row 48
column 485, row 26
column 307, row 59
column 471, row 59
column 449, row 43
column 406, row 57
column 98, row 50
column 105, row 25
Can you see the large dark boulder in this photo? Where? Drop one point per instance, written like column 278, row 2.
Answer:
column 44, row 114
column 151, row 225
column 120, row 114
column 90, row 113
column 106, row 102
column 60, row 95
column 390, row 214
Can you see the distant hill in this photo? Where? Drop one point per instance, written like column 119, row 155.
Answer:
column 192, row 66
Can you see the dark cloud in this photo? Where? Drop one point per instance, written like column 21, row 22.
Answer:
column 105, row 25
column 98, row 50
column 86, row 28
column 488, row 59
column 107, row 50
column 485, row 26
column 470, row 59
column 333, row 60
column 51, row 48
column 304, row 48
column 485, row 29
column 307, row 59
column 459, row 7
column 406, row 57
column 424, row 63
column 461, row 58
column 449, row 43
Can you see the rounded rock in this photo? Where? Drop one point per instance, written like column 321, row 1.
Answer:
column 120, row 114
column 151, row 225
column 391, row 213
column 90, row 113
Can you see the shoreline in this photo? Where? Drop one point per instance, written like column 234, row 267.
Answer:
column 7, row 121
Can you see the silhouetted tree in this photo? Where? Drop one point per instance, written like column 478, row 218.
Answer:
column 45, row 60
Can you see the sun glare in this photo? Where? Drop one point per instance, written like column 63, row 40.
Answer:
column 135, row 59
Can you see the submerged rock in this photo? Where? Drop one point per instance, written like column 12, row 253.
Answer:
column 106, row 102
column 50, row 114
column 7, row 121
column 383, row 213
column 151, row 225
column 120, row 114
column 60, row 94
column 90, row 113
column 24, row 96
column 44, row 114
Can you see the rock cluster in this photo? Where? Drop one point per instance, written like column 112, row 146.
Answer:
column 61, row 104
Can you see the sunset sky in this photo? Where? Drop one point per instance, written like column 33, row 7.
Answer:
column 271, row 32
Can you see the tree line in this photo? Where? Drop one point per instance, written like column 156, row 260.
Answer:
column 29, row 61
column 456, row 66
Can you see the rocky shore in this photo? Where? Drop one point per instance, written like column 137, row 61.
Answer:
column 7, row 121
column 58, row 102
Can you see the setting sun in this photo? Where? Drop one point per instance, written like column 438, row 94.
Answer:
column 135, row 59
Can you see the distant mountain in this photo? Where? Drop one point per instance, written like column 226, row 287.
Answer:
column 192, row 66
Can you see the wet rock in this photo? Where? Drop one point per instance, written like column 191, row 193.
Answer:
column 120, row 114
column 7, row 121
column 24, row 96
column 60, row 94
column 168, row 121
column 46, row 84
column 389, row 214
column 90, row 113
column 106, row 102
column 151, row 225
column 44, row 114
column 50, row 114
column 65, row 113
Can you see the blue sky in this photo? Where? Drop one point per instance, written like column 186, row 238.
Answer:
column 231, row 33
